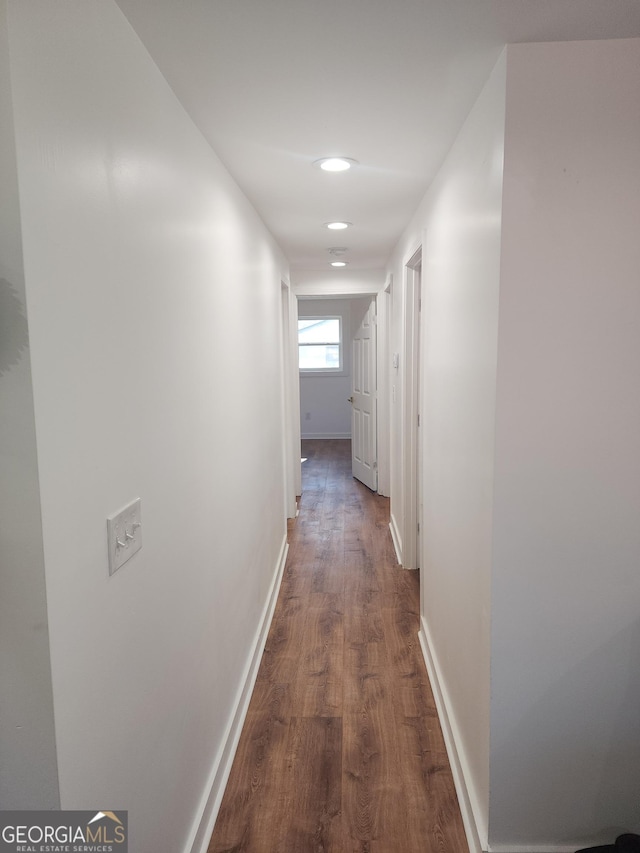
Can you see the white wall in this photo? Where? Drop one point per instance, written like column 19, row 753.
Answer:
column 565, row 749
column 532, row 493
column 337, row 282
column 154, row 306
column 459, row 223
column 28, row 772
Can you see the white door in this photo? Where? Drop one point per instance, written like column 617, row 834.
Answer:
column 363, row 402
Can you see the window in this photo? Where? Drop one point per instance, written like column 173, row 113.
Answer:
column 320, row 343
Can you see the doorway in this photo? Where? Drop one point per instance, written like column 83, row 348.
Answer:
column 326, row 408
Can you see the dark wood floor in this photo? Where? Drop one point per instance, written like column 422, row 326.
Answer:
column 341, row 750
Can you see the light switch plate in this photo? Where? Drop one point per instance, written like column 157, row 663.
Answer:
column 124, row 535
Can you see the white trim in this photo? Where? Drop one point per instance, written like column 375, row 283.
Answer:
column 396, row 538
column 475, row 825
column 382, row 392
column 202, row 828
column 323, row 371
column 289, row 369
column 326, row 435
column 294, row 378
column 410, row 406
column 551, row 848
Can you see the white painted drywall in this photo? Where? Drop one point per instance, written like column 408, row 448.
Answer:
column 325, row 411
column 154, row 304
column 28, row 772
column 565, row 742
column 337, row 282
column 459, row 226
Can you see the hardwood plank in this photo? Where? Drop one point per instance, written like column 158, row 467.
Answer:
column 308, row 814
column 342, row 749
column 318, row 681
column 373, row 806
column 256, row 778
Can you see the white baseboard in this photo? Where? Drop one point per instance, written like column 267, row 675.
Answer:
column 207, row 813
column 520, row 848
column 396, row 538
column 475, row 823
column 325, row 435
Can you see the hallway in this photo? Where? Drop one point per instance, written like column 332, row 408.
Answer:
column 341, row 748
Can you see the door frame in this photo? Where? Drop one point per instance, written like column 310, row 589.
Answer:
column 383, row 414
column 383, row 411
column 290, row 400
column 412, row 476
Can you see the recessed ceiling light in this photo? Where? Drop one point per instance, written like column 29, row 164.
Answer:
column 335, row 164
column 337, row 226
column 338, row 263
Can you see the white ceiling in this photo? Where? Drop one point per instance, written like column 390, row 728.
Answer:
column 276, row 84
